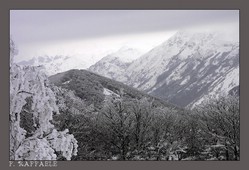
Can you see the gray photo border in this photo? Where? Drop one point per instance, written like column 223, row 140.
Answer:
column 242, row 5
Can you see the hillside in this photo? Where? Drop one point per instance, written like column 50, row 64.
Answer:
column 94, row 88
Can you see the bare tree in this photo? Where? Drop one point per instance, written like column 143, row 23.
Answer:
column 220, row 122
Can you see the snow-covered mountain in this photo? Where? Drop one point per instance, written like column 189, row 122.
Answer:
column 114, row 65
column 186, row 69
column 59, row 63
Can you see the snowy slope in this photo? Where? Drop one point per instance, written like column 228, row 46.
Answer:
column 114, row 65
column 187, row 67
column 59, row 63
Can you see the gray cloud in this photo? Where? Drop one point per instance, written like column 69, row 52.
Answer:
column 28, row 26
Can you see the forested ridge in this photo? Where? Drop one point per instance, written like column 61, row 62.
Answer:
column 89, row 87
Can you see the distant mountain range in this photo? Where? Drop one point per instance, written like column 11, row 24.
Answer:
column 184, row 70
column 59, row 63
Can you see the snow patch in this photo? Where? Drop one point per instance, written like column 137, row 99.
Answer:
column 108, row 92
column 66, row 82
column 185, row 80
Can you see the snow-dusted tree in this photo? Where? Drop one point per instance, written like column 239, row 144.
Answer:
column 30, row 82
column 141, row 111
column 220, row 125
column 68, row 102
column 117, row 121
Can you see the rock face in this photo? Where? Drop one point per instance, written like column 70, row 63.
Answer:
column 186, row 69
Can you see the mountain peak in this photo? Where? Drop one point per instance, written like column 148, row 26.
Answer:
column 216, row 37
column 125, row 48
column 126, row 54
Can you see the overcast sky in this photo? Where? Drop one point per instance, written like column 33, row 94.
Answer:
column 98, row 32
